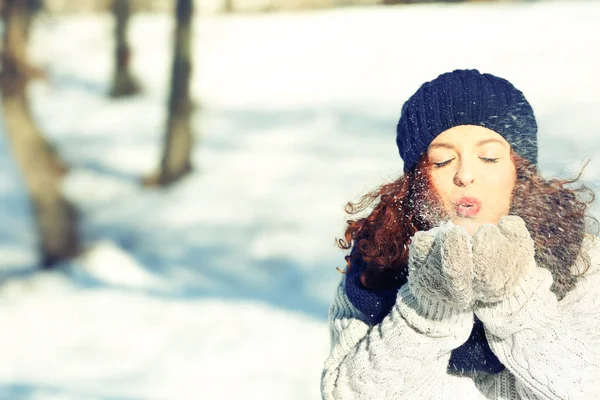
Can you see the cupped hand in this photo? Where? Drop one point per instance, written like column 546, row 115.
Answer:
column 441, row 265
column 501, row 255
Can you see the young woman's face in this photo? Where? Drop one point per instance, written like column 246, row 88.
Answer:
column 473, row 173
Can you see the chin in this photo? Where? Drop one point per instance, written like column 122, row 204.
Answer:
column 470, row 224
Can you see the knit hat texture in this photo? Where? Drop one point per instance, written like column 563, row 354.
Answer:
column 466, row 97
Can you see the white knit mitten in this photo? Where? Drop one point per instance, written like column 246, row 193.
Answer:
column 441, row 266
column 500, row 255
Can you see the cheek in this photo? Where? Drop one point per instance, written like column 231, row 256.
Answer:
column 499, row 191
column 443, row 184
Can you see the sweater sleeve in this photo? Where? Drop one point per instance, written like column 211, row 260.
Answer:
column 404, row 356
column 552, row 348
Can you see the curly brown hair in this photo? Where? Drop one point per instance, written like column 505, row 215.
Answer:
column 410, row 204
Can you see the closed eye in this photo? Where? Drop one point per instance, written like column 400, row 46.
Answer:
column 442, row 164
column 488, row 160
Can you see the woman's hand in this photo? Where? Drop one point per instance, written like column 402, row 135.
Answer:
column 441, row 266
column 500, row 256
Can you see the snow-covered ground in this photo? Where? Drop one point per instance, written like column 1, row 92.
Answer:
column 218, row 288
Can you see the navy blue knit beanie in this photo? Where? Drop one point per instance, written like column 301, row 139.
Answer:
column 465, row 97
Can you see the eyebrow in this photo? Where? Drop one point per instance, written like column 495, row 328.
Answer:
column 451, row 147
column 486, row 141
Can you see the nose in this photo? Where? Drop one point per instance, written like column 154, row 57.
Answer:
column 464, row 175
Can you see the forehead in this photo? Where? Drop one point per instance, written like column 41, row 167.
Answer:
column 468, row 135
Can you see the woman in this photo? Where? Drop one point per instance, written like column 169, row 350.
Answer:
column 472, row 277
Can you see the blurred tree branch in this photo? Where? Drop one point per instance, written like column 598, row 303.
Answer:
column 38, row 161
column 124, row 84
column 177, row 148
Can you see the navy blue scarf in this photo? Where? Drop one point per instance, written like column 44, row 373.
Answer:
column 475, row 355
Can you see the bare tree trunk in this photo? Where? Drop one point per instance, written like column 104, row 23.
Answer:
column 228, row 6
column 41, row 169
column 176, row 158
column 124, row 84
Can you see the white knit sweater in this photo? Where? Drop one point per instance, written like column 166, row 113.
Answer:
column 551, row 349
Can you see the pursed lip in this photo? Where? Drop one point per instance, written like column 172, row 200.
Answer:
column 467, row 206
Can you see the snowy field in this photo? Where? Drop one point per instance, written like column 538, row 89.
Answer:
column 218, row 288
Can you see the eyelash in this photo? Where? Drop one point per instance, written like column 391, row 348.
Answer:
column 485, row 160
column 442, row 164
column 489, row 160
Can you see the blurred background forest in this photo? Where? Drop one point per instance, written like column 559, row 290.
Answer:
column 173, row 173
column 219, row 6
